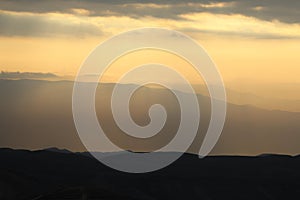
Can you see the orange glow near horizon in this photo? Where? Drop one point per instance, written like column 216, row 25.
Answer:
column 237, row 59
column 137, row 58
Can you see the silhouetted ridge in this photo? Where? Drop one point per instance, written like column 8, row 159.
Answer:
column 55, row 174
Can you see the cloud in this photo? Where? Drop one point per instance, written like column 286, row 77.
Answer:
column 284, row 11
column 271, row 19
column 39, row 25
column 238, row 25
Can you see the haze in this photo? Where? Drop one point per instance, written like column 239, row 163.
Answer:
column 255, row 45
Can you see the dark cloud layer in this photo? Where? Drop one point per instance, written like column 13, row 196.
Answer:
column 21, row 22
column 284, row 11
column 30, row 25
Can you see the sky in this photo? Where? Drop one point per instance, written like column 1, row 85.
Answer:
column 251, row 41
column 254, row 43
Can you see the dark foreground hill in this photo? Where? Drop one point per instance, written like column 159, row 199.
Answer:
column 53, row 174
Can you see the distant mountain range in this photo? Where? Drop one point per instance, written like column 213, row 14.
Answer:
column 26, row 75
column 38, row 114
column 272, row 96
column 52, row 175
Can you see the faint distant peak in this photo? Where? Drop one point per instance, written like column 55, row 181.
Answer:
column 26, row 75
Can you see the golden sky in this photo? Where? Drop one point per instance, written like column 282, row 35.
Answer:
column 246, row 41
